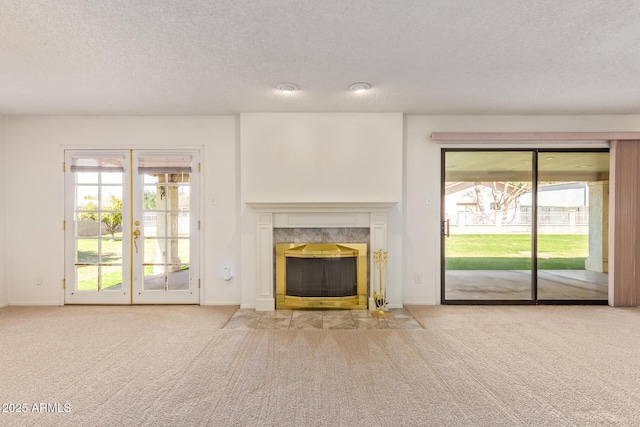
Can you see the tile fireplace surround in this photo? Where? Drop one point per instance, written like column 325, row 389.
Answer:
column 313, row 219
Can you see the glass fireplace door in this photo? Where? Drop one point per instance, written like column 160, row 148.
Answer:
column 321, row 275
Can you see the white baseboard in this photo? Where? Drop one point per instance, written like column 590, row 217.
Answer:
column 421, row 303
column 4, row 304
column 36, row 303
column 221, row 303
column 248, row 306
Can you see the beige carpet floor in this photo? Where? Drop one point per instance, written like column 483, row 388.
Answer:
column 176, row 365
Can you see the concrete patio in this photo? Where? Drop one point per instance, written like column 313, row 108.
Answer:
column 516, row 285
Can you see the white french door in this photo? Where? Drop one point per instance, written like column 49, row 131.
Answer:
column 132, row 227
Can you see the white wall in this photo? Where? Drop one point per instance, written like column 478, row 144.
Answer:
column 394, row 160
column 3, row 224
column 321, row 157
column 422, row 171
column 35, row 193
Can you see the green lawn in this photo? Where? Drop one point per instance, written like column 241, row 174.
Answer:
column 513, row 252
column 87, row 276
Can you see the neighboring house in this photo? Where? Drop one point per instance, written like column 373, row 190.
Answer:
column 473, row 204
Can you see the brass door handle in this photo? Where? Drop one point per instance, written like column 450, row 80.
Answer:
column 136, row 234
column 446, row 227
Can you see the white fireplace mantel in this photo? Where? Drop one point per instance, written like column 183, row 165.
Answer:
column 310, row 215
column 321, row 206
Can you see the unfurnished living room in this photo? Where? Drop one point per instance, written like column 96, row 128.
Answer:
column 314, row 213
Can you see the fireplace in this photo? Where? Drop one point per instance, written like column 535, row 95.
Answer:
column 310, row 222
column 321, row 275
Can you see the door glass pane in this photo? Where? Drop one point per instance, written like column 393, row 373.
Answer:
column 87, row 251
column 87, row 197
column 111, row 250
column 150, row 178
column 178, row 277
column 150, row 197
column 573, row 212
column 166, row 226
column 112, row 178
column 154, row 250
column 87, row 278
column 183, row 200
column 158, row 193
column 112, row 196
column 172, row 224
column 184, row 224
column 488, row 247
column 112, row 278
column 155, row 277
column 151, row 224
column 178, row 251
column 87, row 177
column 98, row 230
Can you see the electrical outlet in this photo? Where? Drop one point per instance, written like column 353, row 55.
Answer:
column 418, row 279
column 38, row 280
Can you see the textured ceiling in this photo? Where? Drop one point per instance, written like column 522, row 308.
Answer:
column 129, row 57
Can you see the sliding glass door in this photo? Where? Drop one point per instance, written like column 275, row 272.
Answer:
column 524, row 226
column 487, row 243
column 573, row 222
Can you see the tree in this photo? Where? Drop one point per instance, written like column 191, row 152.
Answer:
column 507, row 193
column 150, row 200
column 111, row 220
column 475, row 195
column 89, row 207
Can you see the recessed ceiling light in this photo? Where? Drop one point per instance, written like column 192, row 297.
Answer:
column 287, row 87
column 360, row 87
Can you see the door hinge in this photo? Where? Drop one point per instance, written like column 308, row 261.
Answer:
column 199, row 167
column 64, row 225
column 64, row 283
column 198, row 224
column 64, row 167
column 198, row 283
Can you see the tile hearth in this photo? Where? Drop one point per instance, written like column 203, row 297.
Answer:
column 320, row 319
